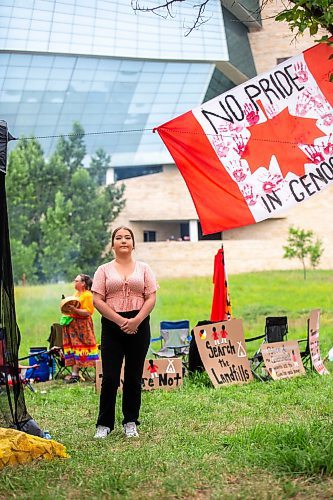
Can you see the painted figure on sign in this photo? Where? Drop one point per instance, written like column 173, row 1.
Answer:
column 224, row 335
column 153, row 369
column 294, row 358
column 215, row 336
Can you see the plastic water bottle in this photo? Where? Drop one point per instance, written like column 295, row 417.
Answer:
column 47, row 435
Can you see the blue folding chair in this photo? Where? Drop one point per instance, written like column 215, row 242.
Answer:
column 174, row 338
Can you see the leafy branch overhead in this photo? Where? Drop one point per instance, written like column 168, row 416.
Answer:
column 301, row 15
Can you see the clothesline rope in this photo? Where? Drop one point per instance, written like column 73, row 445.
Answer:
column 171, row 130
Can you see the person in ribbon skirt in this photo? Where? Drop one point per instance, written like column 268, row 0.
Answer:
column 79, row 342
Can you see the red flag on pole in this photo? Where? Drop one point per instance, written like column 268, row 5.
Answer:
column 221, row 306
column 261, row 147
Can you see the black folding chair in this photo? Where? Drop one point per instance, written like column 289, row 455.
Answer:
column 276, row 330
column 305, row 352
column 56, row 340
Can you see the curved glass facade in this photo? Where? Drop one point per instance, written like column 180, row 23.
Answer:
column 114, row 71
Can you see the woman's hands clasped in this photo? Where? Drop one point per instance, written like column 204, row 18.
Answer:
column 129, row 326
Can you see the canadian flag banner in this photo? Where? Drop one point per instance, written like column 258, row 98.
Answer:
column 260, row 148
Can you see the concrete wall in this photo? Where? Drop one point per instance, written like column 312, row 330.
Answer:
column 186, row 259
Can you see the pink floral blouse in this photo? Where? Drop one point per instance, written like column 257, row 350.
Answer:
column 124, row 294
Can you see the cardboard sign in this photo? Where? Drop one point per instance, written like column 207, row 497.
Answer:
column 164, row 374
column 222, row 350
column 282, row 359
column 317, row 362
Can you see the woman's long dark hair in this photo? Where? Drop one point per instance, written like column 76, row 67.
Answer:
column 85, row 278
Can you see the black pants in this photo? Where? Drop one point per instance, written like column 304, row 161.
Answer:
column 115, row 346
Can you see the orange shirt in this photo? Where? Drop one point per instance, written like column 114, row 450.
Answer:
column 86, row 301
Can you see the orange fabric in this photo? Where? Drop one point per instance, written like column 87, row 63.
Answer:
column 79, row 343
column 317, row 59
column 86, row 301
column 221, row 307
column 261, row 147
column 210, row 185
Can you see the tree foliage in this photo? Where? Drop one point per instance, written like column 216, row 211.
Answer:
column 59, row 211
column 302, row 245
column 301, row 15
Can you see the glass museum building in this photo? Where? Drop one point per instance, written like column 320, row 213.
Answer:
column 117, row 72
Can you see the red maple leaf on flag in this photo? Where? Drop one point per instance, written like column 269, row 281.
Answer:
column 280, row 137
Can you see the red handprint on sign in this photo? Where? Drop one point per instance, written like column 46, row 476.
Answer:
column 272, row 183
column 251, row 114
column 314, row 155
column 220, row 147
column 235, row 128
column 271, row 111
column 327, row 119
column 240, row 146
column 301, row 72
column 248, row 194
column 328, row 148
column 303, row 104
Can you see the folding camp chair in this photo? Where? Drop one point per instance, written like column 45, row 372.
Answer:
column 56, row 340
column 276, row 330
column 305, row 352
column 175, row 340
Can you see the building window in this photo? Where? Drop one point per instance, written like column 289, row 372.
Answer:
column 149, row 236
column 281, row 59
column 214, row 236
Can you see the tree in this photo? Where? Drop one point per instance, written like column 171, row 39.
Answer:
column 59, row 213
column 301, row 245
column 25, row 163
column 99, row 164
column 301, row 15
column 59, row 251
column 167, row 8
column 93, row 211
column 24, row 260
column 73, row 149
column 316, row 253
column 309, row 15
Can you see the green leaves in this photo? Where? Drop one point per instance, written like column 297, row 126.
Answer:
column 60, row 212
column 302, row 15
column 301, row 245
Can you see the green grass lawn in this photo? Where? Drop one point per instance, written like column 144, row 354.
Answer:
column 261, row 440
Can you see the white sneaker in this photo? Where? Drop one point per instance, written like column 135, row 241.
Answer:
column 131, row 430
column 102, row 432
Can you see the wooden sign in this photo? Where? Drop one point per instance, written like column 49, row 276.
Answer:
column 317, row 362
column 282, row 359
column 166, row 373
column 222, row 350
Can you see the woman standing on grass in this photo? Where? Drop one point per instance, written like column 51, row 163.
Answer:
column 124, row 293
column 79, row 341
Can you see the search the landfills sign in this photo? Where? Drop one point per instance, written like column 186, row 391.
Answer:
column 317, row 362
column 282, row 359
column 157, row 374
column 222, row 350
